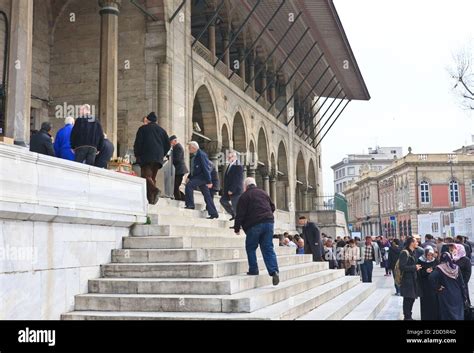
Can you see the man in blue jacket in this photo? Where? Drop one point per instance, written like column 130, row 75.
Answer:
column 233, row 184
column 62, row 142
column 200, row 177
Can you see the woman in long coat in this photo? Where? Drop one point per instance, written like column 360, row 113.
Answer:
column 447, row 281
column 464, row 264
column 409, row 285
column 428, row 299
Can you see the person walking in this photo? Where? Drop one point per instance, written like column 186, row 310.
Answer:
column 448, row 283
column 312, row 239
column 105, row 154
column 429, row 241
column 151, row 145
column 409, row 285
column 233, row 184
column 329, row 254
column 180, row 168
column 62, row 142
column 370, row 252
column 255, row 215
column 41, row 141
column 200, row 177
column 393, row 255
column 351, row 256
column 87, row 136
column 428, row 299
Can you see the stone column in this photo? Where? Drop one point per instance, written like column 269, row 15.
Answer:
column 264, row 84
column 109, row 11
column 225, row 43
column 251, row 171
column 252, row 69
column 266, row 183
column 273, row 189
column 242, row 63
column 287, row 196
column 305, row 199
column 212, row 40
column 18, row 106
column 272, row 88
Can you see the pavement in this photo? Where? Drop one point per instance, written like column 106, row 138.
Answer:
column 393, row 310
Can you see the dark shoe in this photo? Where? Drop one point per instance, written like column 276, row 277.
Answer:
column 189, row 208
column 230, row 220
column 157, row 197
column 213, row 217
column 252, row 273
column 276, row 278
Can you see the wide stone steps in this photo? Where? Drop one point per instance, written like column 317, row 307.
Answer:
column 339, row 307
column 191, row 270
column 243, row 302
column 287, row 309
column 371, row 306
column 185, row 242
column 222, row 285
column 186, row 255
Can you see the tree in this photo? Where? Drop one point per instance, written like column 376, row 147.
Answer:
column 462, row 73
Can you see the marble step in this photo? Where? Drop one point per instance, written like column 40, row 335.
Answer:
column 158, row 215
column 371, row 306
column 287, row 309
column 218, row 229
column 222, row 285
column 192, row 270
column 243, row 302
column 186, row 255
column 176, row 220
column 343, row 304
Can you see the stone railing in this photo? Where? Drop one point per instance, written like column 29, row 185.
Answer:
column 39, row 187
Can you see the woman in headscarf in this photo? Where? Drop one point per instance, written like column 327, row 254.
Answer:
column 447, row 281
column 463, row 262
column 428, row 300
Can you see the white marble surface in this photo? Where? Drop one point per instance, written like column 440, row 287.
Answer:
column 37, row 180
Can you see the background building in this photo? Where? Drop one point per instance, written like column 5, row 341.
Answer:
column 351, row 166
column 389, row 201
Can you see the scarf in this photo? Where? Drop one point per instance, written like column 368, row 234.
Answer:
column 428, row 250
column 448, row 267
column 460, row 252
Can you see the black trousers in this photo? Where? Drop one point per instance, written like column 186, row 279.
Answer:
column 178, row 179
column 85, row 154
column 408, row 307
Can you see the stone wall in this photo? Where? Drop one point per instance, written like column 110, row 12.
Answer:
column 59, row 221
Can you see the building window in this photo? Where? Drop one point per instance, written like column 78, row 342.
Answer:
column 425, row 192
column 453, row 191
column 343, row 172
column 409, row 228
column 472, row 187
column 350, row 171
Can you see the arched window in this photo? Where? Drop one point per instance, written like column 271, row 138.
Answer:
column 409, row 227
column 453, row 191
column 405, row 230
column 425, row 192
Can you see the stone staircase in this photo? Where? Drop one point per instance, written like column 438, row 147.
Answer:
column 183, row 266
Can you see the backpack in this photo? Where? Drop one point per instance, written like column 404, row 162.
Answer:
column 397, row 273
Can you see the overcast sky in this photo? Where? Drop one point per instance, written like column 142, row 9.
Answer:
column 403, row 48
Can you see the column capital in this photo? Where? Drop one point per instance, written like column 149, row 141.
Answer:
column 110, row 7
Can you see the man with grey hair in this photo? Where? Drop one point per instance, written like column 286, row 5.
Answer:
column 199, row 178
column 255, row 215
column 87, row 136
column 233, row 184
column 62, row 142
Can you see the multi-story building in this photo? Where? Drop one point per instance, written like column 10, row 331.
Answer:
column 389, row 201
column 351, row 166
column 254, row 76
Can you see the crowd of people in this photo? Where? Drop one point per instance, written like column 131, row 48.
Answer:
column 436, row 271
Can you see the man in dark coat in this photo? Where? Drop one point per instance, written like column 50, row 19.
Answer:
column 409, row 285
column 105, row 154
column 151, row 145
column 87, row 136
column 233, row 184
column 41, row 141
column 255, row 215
column 200, row 177
column 312, row 239
column 179, row 166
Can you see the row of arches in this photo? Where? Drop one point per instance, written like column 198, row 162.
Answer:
column 269, row 166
